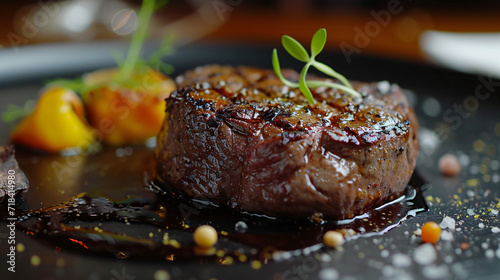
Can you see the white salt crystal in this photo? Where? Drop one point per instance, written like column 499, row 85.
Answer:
column 424, row 254
column 493, row 212
column 489, row 253
column 447, row 222
column 447, row 236
column 384, row 87
column 328, row 274
column 401, row 260
column 435, row 271
column 471, row 212
column 384, row 253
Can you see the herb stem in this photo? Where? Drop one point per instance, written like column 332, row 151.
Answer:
column 295, row 49
column 277, row 70
column 329, row 71
column 303, row 83
column 134, row 50
column 311, row 83
column 316, row 84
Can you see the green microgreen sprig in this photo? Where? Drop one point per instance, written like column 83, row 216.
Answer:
column 14, row 112
column 133, row 61
column 295, row 49
column 134, row 51
column 127, row 65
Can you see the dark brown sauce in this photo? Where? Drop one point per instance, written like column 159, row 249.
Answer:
column 136, row 227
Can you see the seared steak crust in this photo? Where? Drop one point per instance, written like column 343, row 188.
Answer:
column 238, row 136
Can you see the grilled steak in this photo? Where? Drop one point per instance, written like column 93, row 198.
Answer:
column 238, row 136
column 9, row 166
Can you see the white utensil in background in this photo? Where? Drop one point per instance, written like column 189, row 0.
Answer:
column 477, row 53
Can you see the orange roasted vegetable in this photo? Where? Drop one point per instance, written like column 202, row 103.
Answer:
column 56, row 124
column 128, row 112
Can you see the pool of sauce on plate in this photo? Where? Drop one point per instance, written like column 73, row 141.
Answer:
column 159, row 225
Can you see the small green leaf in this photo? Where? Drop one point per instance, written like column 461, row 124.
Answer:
column 330, row 72
column 294, row 48
column 318, row 42
column 303, row 86
column 277, row 70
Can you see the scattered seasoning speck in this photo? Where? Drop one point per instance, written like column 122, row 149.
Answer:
column 325, row 258
column 333, row 238
column 256, row 265
column 447, row 235
column 170, row 257
column 161, row 275
column 401, row 260
column 328, row 274
column 242, row 258
column 424, row 254
column 121, row 255
column 495, row 164
column 174, row 243
column 384, row 254
column 205, row 236
column 464, row 246
column 449, row 165
column 35, row 260
column 165, row 239
column 227, row 260
column 489, row 253
column 470, row 193
column 241, row 226
column 435, row 271
column 493, row 212
column 431, row 232
column 448, row 259
column 471, row 212
column 472, row 182
column 20, row 247
column 220, row 253
column 431, row 107
column 478, row 146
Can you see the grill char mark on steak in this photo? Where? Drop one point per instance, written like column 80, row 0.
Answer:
column 239, row 137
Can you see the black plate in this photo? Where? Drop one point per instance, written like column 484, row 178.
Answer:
column 437, row 95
